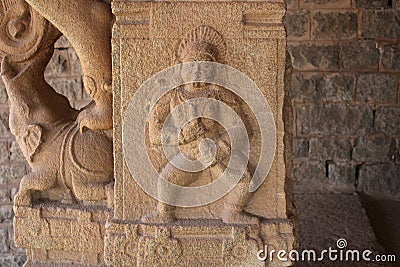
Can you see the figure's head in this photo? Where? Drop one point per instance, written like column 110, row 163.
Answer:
column 201, row 44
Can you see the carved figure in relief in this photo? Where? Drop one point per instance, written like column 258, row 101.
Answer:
column 73, row 164
column 202, row 43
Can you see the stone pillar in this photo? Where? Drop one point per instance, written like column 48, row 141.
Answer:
column 147, row 37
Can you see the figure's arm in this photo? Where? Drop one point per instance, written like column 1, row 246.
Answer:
column 240, row 110
column 238, row 106
column 224, row 141
column 156, row 121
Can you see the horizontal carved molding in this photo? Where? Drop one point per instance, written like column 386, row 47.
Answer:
column 254, row 19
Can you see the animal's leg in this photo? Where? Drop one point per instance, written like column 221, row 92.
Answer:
column 39, row 180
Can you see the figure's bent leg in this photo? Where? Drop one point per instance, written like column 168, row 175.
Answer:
column 166, row 213
column 236, row 202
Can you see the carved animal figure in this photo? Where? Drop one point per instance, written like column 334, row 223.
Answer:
column 45, row 126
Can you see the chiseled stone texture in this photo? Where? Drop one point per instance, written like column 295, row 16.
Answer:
column 396, row 4
column 4, row 247
column 310, row 171
column 336, row 149
column 305, row 87
column 359, row 55
column 390, row 59
column 4, row 128
column 300, row 148
column 378, row 149
column 343, row 175
column 334, row 119
column 375, row 24
column 315, row 57
column 6, row 214
column 339, row 87
column 59, row 64
column 4, row 152
column 15, row 152
column 315, row 176
column 321, row 4
column 72, row 234
column 12, row 261
column 3, row 94
column 387, row 120
column 334, row 25
column 380, row 180
column 297, row 24
column 377, row 87
column 371, row 4
column 324, row 218
column 292, row 4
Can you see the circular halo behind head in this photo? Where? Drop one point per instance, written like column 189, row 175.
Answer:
column 202, row 39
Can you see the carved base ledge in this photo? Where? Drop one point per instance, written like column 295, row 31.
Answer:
column 203, row 242
column 61, row 235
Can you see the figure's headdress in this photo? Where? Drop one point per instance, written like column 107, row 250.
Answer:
column 205, row 40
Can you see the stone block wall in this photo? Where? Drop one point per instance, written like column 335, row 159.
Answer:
column 345, row 94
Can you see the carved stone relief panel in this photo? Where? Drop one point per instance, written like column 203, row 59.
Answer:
column 253, row 41
column 149, row 38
